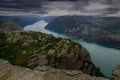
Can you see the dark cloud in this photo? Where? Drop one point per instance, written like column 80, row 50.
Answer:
column 19, row 4
column 63, row 7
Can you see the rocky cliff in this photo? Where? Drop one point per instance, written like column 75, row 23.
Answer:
column 116, row 73
column 8, row 26
column 31, row 49
column 101, row 30
column 10, row 72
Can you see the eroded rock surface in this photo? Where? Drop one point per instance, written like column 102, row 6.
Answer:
column 10, row 72
column 116, row 73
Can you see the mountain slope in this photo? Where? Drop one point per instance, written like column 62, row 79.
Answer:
column 32, row 49
column 8, row 26
column 101, row 30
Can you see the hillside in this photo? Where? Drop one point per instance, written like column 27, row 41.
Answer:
column 8, row 26
column 100, row 30
column 32, row 49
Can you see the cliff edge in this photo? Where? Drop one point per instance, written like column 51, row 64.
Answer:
column 10, row 72
column 31, row 49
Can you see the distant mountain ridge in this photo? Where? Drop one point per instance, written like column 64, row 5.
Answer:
column 101, row 30
column 23, row 21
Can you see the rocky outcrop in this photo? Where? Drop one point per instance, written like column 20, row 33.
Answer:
column 8, row 26
column 116, row 73
column 32, row 49
column 101, row 30
column 10, row 72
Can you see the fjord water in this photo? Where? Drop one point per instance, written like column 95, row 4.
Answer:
column 103, row 57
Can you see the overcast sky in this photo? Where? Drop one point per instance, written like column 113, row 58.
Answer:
column 60, row 7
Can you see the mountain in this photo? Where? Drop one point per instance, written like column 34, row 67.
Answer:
column 8, row 26
column 23, row 21
column 12, row 72
column 31, row 49
column 100, row 30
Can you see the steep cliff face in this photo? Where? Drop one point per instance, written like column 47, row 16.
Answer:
column 10, row 72
column 8, row 26
column 101, row 30
column 32, row 49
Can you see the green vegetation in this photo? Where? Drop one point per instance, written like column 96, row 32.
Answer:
column 17, row 47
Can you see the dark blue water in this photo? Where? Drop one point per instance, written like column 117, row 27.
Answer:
column 105, row 58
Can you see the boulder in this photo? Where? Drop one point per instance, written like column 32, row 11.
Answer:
column 116, row 73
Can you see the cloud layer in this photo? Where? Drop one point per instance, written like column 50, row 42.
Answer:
column 60, row 7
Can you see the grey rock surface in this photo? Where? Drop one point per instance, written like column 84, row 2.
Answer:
column 116, row 73
column 10, row 72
